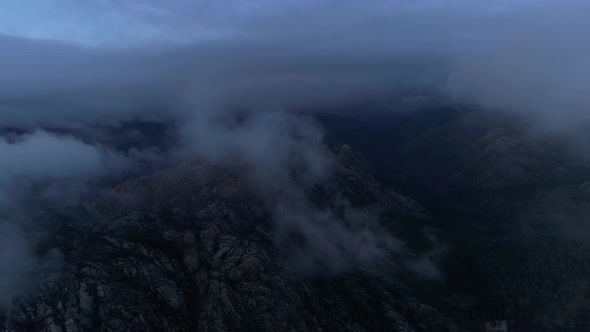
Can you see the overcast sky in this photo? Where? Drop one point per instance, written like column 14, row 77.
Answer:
column 91, row 59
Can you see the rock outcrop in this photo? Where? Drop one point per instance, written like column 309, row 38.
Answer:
column 192, row 248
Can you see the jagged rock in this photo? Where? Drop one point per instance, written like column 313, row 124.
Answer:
column 191, row 248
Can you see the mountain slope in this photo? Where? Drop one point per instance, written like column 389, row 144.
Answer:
column 194, row 247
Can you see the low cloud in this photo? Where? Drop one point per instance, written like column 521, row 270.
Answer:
column 286, row 158
column 58, row 168
column 59, row 157
column 535, row 65
column 15, row 260
column 41, row 169
column 18, row 262
column 229, row 74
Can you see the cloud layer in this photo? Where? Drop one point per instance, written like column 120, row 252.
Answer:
column 71, row 60
column 203, row 64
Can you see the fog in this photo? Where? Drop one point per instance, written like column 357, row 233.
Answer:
column 537, row 66
column 200, row 63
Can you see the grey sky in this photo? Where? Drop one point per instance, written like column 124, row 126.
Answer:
column 93, row 59
column 115, row 57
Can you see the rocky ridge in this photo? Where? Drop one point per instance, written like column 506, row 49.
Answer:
column 191, row 248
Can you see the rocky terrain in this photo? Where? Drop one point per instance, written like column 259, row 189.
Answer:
column 193, row 248
column 434, row 221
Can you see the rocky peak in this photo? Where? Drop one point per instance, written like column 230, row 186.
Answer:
column 191, row 248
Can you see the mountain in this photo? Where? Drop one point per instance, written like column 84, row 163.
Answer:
column 434, row 220
column 510, row 202
column 193, row 247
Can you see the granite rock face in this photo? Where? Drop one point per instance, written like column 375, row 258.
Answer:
column 192, row 248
